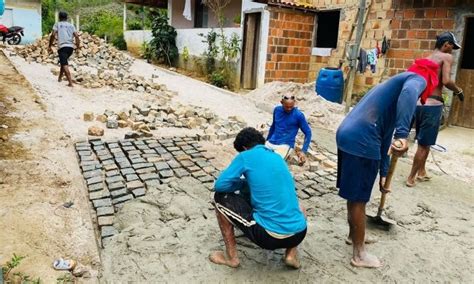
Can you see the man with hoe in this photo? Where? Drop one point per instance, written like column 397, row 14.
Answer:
column 379, row 123
column 64, row 32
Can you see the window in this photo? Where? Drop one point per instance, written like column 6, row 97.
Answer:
column 467, row 54
column 200, row 14
column 327, row 29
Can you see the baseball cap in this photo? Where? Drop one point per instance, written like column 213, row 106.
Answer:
column 448, row 37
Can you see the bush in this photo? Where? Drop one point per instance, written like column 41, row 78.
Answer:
column 119, row 42
column 134, row 26
column 218, row 79
column 164, row 39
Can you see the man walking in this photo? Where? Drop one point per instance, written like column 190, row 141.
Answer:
column 287, row 120
column 64, row 32
column 428, row 116
column 263, row 204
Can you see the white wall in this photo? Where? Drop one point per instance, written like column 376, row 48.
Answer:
column 190, row 38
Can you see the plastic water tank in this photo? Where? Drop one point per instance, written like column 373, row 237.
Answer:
column 330, row 84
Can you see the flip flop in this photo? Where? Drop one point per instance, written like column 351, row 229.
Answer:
column 408, row 184
column 61, row 264
column 423, row 178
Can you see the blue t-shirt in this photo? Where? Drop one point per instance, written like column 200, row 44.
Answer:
column 285, row 127
column 272, row 189
column 368, row 129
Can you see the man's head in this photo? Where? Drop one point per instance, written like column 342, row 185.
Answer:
column 247, row 139
column 288, row 103
column 62, row 16
column 446, row 42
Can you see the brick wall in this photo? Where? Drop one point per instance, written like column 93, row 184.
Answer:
column 289, row 45
column 414, row 27
column 377, row 26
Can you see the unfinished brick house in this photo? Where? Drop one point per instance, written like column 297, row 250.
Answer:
column 306, row 35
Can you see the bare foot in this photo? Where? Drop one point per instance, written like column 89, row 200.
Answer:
column 366, row 260
column 59, row 80
column 292, row 262
column 423, row 178
column 218, row 257
column 367, row 241
column 70, row 85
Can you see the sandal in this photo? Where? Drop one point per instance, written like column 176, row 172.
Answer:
column 408, row 184
column 423, row 178
column 61, row 264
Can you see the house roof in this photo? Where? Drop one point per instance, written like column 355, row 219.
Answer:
column 150, row 3
column 300, row 4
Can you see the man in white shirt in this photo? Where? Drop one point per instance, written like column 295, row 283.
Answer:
column 64, row 32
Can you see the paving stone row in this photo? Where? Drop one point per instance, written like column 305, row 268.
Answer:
column 118, row 171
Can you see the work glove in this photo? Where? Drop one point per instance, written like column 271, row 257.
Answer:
column 460, row 95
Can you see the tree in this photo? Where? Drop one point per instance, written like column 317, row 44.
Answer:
column 164, row 39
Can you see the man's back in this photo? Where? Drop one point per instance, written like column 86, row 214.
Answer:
column 440, row 58
column 272, row 189
column 65, row 32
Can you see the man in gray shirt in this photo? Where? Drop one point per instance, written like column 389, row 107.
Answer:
column 64, row 32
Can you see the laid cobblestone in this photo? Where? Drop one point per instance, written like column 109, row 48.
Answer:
column 102, row 202
column 91, row 174
column 139, row 192
column 104, row 211
column 150, row 176
column 116, row 186
column 99, row 194
column 146, row 170
column 166, row 173
column 95, row 187
column 105, row 221
column 131, row 177
column 93, row 180
column 112, row 173
column 108, row 231
column 118, row 193
column 142, row 165
column 122, row 199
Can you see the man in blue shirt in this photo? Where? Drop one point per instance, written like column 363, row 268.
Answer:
column 263, row 204
column 364, row 139
column 287, row 120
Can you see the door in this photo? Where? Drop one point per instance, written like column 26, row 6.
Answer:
column 463, row 112
column 250, row 48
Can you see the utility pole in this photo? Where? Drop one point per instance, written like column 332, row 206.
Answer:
column 354, row 54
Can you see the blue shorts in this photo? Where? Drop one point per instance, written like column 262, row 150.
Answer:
column 428, row 119
column 355, row 176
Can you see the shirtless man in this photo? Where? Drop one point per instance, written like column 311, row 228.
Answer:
column 428, row 116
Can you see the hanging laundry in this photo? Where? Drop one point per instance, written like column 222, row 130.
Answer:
column 362, row 66
column 385, row 45
column 372, row 59
column 187, row 10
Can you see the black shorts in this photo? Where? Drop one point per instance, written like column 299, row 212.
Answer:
column 355, row 176
column 64, row 54
column 237, row 210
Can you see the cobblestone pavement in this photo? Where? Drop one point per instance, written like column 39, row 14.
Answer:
column 118, row 171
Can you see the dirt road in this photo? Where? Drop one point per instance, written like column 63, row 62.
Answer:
column 167, row 235
column 38, row 175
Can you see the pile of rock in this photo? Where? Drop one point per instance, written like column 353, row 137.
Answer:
column 94, row 52
column 150, row 116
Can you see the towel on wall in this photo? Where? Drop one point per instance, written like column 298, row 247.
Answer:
column 372, row 59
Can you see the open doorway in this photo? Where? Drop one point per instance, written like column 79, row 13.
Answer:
column 463, row 112
column 250, row 48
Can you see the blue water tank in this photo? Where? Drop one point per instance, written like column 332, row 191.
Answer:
column 330, row 84
column 2, row 7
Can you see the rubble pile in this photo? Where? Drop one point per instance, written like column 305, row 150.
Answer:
column 149, row 116
column 94, row 52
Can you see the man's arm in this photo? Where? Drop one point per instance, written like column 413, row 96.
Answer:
column 307, row 132
column 446, row 77
column 272, row 128
column 229, row 180
column 78, row 41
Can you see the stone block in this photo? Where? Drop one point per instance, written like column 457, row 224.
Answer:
column 116, row 186
column 117, row 193
column 88, row 116
column 113, row 179
column 122, row 199
column 329, row 164
column 150, row 176
column 95, row 131
column 94, row 180
column 206, row 179
column 137, row 166
column 102, row 202
column 174, row 164
column 105, row 221
column 146, row 170
column 99, row 194
column 139, row 192
column 127, row 171
column 198, row 174
column 101, row 118
column 108, row 231
column 134, row 184
column 105, row 211
column 96, row 187
column 181, row 172
column 161, row 166
column 131, row 177
column 166, row 173
column 91, row 174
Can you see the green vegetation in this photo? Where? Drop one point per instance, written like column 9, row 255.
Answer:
column 17, row 277
column 163, row 43
column 105, row 25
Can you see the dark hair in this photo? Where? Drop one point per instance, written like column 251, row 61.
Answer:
column 248, row 138
column 62, row 16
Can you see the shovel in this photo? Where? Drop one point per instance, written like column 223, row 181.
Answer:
column 383, row 222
